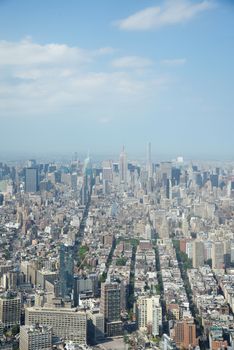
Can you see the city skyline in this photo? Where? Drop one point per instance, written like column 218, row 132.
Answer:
column 96, row 76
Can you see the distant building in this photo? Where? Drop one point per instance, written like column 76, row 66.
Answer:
column 198, row 253
column 107, row 172
column 217, row 255
column 1, row 199
column 149, row 161
column 74, row 181
column 35, row 338
column 31, row 180
column 123, row 167
column 168, row 189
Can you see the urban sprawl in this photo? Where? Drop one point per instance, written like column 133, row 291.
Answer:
column 116, row 254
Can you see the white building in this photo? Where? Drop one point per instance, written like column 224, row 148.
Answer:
column 149, row 313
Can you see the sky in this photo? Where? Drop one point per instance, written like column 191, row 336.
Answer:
column 94, row 75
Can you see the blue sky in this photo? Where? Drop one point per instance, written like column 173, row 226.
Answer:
column 96, row 74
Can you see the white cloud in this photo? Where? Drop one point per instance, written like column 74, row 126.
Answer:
column 26, row 52
column 131, row 62
column 53, row 78
column 173, row 12
column 174, row 62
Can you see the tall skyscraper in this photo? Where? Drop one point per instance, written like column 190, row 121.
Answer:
column 149, row 160
column 198, row 253
column 74, row 181
column 110, row 307
column 31, row 180
column 217, row 255
column 123, row 167
column 168, row 189
column 66, row 269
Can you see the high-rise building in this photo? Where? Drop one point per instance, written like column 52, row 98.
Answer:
column 10, row 310
column 67, row 323
column 123, row 167
column 74, row 181
column 31, row 180
column 82, row 285
column 1, row 199
column 175, row 175
column 96, row 326
column 149, row 161
column 35, row 338
column 198, row 253
column 110, row 307
column 185, row 334
column 149, row 314
column 232, row 253
column 217, row 255
column 66, row 268
column 168, row 189
column 107, row 172
column 165, row 170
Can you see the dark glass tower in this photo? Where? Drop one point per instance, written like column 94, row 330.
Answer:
column 31, row 180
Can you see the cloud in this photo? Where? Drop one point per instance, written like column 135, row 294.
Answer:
column 174, row 62
column 171, row 13
column 56, row 78
column 131, row 62
column 26, row 52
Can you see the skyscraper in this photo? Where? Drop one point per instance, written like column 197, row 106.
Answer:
column 31, row 180
column 198, row 253
column 123, row 167
column 66, row 268
column 107, row 173
column 168, row 189
column 217, row 255
column 149, row 313
column 110, row 307
column 149, row 161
